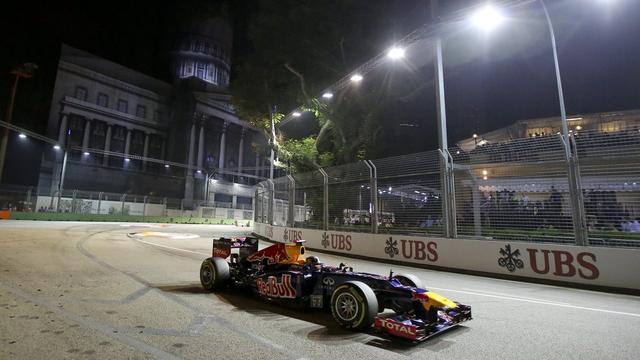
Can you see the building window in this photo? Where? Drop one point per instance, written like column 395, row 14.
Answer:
column 103, row 100
column 206, row 47
column 81, row 93
column 123, row 105
column 141, row 111
column 200, row 70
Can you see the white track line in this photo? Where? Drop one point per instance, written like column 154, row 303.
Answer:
column 497, row 296
column 171, row 247
column 539, row 301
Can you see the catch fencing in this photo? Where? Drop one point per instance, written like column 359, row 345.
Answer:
column 584, row 190
column 31, row 199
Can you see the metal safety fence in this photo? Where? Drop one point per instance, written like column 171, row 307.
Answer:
column 73, row 201
column 583, row 189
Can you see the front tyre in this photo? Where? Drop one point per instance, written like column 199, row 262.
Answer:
column 214, row 273
column 409, row 280
column 354, row 305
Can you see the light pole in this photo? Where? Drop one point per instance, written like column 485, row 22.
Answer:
column 446, row 173
column 273, row 141
column 487, row 18
column 26, row 71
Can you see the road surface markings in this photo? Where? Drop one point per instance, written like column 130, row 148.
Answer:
column 538, row 301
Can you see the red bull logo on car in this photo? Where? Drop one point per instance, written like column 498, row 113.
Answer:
column 273, row 254
column 274, row 289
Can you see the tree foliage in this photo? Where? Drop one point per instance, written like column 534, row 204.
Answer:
column 294, row 49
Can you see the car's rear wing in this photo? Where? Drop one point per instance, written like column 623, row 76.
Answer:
column 222, row 246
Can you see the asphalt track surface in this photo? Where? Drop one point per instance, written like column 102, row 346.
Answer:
column 93, row 291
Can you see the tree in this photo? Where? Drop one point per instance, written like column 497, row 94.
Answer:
column 294, row 49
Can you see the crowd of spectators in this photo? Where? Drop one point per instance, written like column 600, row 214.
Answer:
column 542, row 146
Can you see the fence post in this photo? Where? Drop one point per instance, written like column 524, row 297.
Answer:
column 325, row 199
column 292, row 200
column 59, row 199
column 575, row 191
column 144, row 205
column 29, row 199
column 53, row 194
column 123, row 198
column 272, row 189
column 373, row 205
column 74, row 206
column 453, row 218
column 164, row 206
column 99, row 201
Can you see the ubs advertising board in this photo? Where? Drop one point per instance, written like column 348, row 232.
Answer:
column 596, row 266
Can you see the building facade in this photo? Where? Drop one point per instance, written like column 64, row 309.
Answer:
column 112, row 118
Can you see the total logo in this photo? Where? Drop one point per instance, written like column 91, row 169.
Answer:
column 396, row 328
column 291, row 235
column 412, row 249
column 557, row 262
column 336, row 241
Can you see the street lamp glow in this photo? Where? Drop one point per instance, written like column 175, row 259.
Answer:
column 22, row 136
column 395, row 53
column 475, row 136
column 199, row 171
column 56, row 147
column 327, row 95
column 85, row 153
column 356, row 78
column 487, row 18
column 296, row 114
column 127, row 159
column 166, row 166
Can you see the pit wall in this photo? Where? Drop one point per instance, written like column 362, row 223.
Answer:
column 598, row 267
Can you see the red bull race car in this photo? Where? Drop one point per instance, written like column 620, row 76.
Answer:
column 357, row 300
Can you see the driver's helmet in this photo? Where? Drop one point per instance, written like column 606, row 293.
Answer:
column 313, row 261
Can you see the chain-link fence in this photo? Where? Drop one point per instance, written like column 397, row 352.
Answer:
column 583, row 189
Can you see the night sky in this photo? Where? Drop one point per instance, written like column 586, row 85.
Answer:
column 491, row 80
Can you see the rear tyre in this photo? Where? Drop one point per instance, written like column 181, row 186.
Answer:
column 409, row 280
column 354, row 305
column 214, row 273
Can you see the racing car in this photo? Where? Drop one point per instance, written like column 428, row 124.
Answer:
column 357, row 300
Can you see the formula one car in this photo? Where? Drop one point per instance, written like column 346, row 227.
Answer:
column 357, row 300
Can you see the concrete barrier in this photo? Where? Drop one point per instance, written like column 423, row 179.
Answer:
column 593, row 267
column 45, row 216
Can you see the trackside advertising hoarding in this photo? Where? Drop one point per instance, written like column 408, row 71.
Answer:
column 597, row 266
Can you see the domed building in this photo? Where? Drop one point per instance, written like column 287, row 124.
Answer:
column 205, row 53
column 119, row 117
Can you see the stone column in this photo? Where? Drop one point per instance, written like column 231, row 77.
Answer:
column 188, row 181
column 257, row 171
column 145, row 152
column 62, row 133
column 127, row 145
column 223, row 145
column 107, row 145
column 201, row 146
column 241, row 149
column 192, row 144
column 234, row 201
column 163, row 149
column 86, row 135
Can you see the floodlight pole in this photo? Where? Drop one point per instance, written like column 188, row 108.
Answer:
column 445, row 174
column 273, row 143
column 573, row 172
